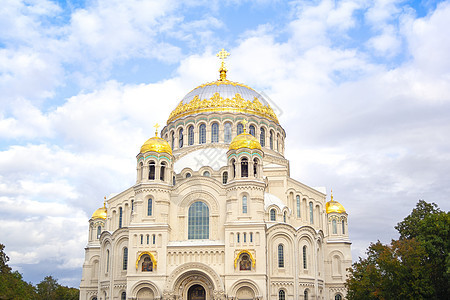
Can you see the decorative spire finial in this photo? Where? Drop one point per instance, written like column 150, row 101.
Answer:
column 156, row 129
column 331, row 194
column 104, row 202
column 244, row 122
column 223, row 54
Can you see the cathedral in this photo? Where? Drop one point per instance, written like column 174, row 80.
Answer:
column 214, row 213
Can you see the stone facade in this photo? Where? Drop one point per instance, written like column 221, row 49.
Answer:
column 217, row 223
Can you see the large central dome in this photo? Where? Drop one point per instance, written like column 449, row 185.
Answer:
column 223, row 95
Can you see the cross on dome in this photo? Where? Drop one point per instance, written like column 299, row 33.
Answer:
column 156, row 129
column 223, row 54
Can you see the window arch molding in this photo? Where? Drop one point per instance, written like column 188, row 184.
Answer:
column 149, row 206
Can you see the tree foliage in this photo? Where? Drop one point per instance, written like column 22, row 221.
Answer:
column 13, row 287
column 417, row 266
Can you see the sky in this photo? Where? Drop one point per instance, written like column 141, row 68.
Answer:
column 361, row 87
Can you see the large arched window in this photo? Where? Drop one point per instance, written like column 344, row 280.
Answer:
column 255, row 167
column 305, row 262
column 262, row 137
column 149, row 206
column 120, row 217
column 99, row 231
column 244, row 167
column 225, row 177
column 244, row 204
column 240, row 128
column 180, row 138
column 198, row 221
column 273, row 216
column 214, row 133
column 280, row 256
column 124, row 296
column 151, row 170
column 271, row 140
column 191, row 135
column 163, row 171
column 298, row 206
column 338, row 297
column 234, row 168
column 281, row 295
column 227, row 132
column 311, row 213
column 334, row 225
column 125, row 258
column 343, row 227
column 202, row 135
column 252, row 130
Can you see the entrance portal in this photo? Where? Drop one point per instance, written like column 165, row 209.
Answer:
column 196, row 292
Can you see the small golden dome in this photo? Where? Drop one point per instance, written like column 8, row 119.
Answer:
column 100, row 213
column 334, row 206
column 156, row 144
column 245, row 140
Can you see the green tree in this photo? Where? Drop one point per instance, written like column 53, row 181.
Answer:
column 50, row 289
column 12, row 285
column 414, row 267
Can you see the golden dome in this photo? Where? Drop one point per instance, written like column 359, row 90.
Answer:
column 100, row 213
column 245, row 140
column 156, row 144
column 334, row 206
column 223, row 96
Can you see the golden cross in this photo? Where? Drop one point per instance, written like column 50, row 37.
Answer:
column 331, row 194
column 222, row 55
column 244, row 122
column 156, row 129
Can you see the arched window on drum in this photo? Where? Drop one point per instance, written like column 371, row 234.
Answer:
column 240, row 128
column 252, row 130
column 262, row 137
column 214, row 133
column 202, row 134
column 227, row 132
column 191, row 135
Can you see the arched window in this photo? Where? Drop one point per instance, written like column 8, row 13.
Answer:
column 124, row 296
column 132, row 205
column 206, row 174
column 191, row 135
column 251, row 237
column 281, row 295
column 280, row 256
column 343, row 227
column 149, row 206
column 305, row 295
column 174, row 181
column 245, row 237
column 284, row 217
column 333, row 223
column 147, row 264
column 151, row 170
column 172, row 140
column 244, row 167
column 298, row 206
column 214, row 133
column 255, row 167
column 99, row 231
column 202, row 135
column 262, row 137
column 188, row 175
column 244, row 204
column 163, row 171
column 154, row 239
column 180, row 137
column 107, row 260
column 305, row 262
column 311, row 213
column 238, row 237
column 227, row 132
column 148, row 239
column 120, row 217
column 141, row 170
column 278, row 142
column 273, row 216
column 271, row 140
column 234, row 168
column 142, row 239
column 198, row 221
column 252, row 130
column 240, row 128
column 125, row 258
column 225, row 177
column 338, row 297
